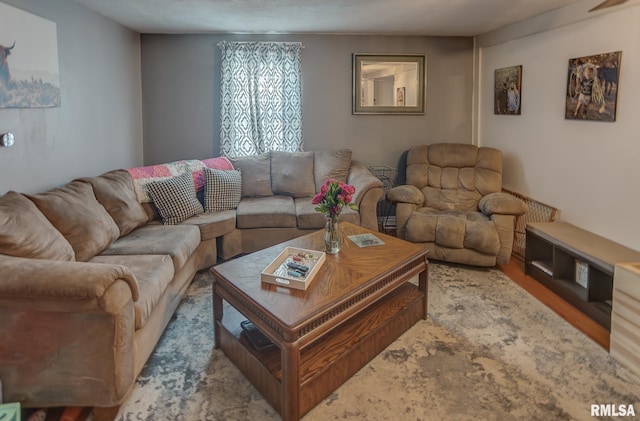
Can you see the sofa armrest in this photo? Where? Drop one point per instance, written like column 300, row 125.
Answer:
column 68, row 332
column 368, row 193
column 363, row 180
column 33, row 279
column 505, row 226
column 406, row 194
column 503, row 204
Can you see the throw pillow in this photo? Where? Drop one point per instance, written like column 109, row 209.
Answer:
column 75, row 212
column 256, row 175
column 114, row 190
column 331, row 164
column 175, row 198
column 292, row 174
column 26, row 232
column 222, row 189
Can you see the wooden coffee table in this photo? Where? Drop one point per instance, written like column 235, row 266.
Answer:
column 358, row 304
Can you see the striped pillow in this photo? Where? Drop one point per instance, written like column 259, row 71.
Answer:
column 222, row 189
column 175, row 198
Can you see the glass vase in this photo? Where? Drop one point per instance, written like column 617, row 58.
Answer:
column 332, row 241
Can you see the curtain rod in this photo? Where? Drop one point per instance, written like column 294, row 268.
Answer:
column 263, row 42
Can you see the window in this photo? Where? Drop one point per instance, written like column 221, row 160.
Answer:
column 260, row 98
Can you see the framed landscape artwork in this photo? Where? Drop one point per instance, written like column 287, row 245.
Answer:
column 508, row 90
column 29, row 75
column 592, row 87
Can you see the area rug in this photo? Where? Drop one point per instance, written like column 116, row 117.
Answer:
column 488, row 351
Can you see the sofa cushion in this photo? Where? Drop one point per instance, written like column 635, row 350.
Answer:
column 175, row 198
column 488, row 175
column 451, row 199
column 266, row 212
column 450, row 231
column 309, row 218
column 26, row 232
column 153, row 274
column 292, row 173
column 331, row 164
column 178, row 241
column 222, row 190
column 114, row 190
column 457, row 155
column 454, row 229
column 482, row 235
column 256, row 175
column 214, row 224
column 82, row 220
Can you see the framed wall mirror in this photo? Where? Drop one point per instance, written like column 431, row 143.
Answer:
column 388, row 84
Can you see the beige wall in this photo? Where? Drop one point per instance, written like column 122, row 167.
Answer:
column 589, row 170
column 99, row 126
column 181, row 78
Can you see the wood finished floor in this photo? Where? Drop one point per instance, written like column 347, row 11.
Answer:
column 515, row 270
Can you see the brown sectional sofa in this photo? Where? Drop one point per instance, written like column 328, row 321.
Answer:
column 89, row 277
column 276, row 197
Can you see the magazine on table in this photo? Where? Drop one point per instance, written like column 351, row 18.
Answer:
column 366, row 240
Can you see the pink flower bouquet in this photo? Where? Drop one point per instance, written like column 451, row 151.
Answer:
column 334, row 195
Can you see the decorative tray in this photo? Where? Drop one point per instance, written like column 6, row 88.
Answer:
column 294, row 268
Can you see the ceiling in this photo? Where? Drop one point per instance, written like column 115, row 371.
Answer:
column 384, row 17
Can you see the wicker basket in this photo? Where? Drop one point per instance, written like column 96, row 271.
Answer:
column 538, row 212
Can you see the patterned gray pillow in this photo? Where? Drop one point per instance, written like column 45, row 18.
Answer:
column 222, row 189
column 175, row 198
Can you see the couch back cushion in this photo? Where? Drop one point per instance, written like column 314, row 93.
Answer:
column 114, row 190
column 25, row 232
column 292, row 174
column 256, row 174
column 331, row 164
column 82, row 220
column 454, row 175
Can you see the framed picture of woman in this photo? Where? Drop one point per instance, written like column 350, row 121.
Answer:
column 508, row 90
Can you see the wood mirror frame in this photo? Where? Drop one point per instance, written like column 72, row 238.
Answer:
column 389, row 84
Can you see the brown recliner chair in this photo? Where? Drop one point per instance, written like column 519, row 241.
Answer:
column 454, row 204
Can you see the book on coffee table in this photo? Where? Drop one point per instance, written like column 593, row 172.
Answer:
column 366, row 240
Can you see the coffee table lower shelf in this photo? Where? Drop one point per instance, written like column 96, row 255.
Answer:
column 329, row 361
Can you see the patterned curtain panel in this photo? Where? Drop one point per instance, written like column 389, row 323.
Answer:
column 261, row 98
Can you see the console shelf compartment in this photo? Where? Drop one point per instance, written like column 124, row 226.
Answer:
column 577, row 265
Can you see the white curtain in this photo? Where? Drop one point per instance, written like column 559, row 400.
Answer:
column 261, row 98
